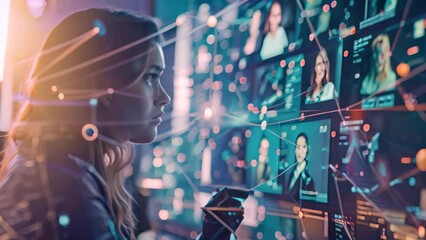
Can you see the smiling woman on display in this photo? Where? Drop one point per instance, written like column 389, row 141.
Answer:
column 320, row 89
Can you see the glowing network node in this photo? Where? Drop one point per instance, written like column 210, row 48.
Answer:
column 366, row 127
column 326, row 8
column 212, row 21
column 346, row 53
column 64, row 220
column 157, row 162
column 208, row 113
column 89, row 132
column 216, row 129
column 93, row 102
column 99, row 27
column 163, row 214
column 263, row 125
column 210, row 39
column 180, row 19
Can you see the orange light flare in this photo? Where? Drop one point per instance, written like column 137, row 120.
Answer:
column 403, row 69
column 405, row 160
column 412, row 50
column 421, row 159
column 212, row 21
column 346, row 53
column 366, row 127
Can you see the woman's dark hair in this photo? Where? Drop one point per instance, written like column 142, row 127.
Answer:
column 105, row 45
column 267, row 28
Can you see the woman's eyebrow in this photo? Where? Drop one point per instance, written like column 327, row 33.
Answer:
column 156, row 68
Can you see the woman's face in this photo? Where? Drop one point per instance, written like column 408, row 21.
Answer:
column 380, row 56
column 301, row 149
column 319, row 69
column 275, row 17
column 137, row 108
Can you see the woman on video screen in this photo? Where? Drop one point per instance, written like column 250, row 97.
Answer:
column 321, row 89
column 275, row 36
column 381, row 77
column 300, row 179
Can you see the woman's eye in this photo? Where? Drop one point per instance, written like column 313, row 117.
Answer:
column 150, row 78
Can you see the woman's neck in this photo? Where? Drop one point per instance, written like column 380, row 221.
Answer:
column 63, row 147
column 319, row 85
column 301, row 165
column 274, row 33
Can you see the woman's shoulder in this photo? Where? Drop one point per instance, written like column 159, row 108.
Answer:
column 281, row 31
column 59, row 177
column 329, row 86
column 328, row 91
column 72, row 188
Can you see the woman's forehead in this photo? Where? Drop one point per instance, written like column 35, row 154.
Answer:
column 155, row 58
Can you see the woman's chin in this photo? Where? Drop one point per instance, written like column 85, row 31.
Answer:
column 147, row 137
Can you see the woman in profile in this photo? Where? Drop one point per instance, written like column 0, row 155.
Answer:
column 275, row 36
column 380, row 77
column 300, row 179
column 95, row 90
column 320, row 89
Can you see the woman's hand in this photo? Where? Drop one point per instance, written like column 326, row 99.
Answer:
column 223, row 214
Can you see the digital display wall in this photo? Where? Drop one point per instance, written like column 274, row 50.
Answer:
column 316, row 107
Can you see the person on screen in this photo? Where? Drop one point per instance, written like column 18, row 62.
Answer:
column 380, row 77
column 300, row 179
column 320, row 89
column 275, row 35
column 381, row 6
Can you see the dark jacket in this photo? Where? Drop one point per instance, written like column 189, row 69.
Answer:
column 303, row 182
column 61, row 199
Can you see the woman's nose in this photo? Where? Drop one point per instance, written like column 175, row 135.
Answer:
column 162, row 97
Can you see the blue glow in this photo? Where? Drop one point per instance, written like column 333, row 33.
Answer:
column 102, row 28
column 382, row 169
column 64, row 220
column 90, row 132
column 412, row 181
column 93, row 102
